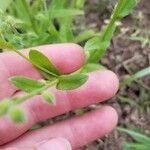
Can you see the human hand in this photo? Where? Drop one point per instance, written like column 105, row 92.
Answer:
column 79, row 130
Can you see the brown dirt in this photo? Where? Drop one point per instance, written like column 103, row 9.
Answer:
column 125, row 57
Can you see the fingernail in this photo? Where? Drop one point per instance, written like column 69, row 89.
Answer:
column 66, row 143
column 56, row 144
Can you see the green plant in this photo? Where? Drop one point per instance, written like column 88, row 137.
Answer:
column 24, row 33
column 41, row 23
column 138, row 75
column 142, row 141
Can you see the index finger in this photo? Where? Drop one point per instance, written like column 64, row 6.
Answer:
column 67, row 58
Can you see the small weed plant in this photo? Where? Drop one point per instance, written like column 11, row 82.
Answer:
column 40, row 22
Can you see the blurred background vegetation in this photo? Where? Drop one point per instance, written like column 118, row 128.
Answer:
column 26, row 23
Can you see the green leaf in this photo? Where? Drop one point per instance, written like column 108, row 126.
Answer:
column 26, row 84
column 4, row 4
column 97, row 47
column 66, row 32
column 49, row 97
column 48, row 76
column 137, row 136
column 4, row 106
column 80, row 3
column 65, row 13
column 40, row 60
column 6, row 45
column 136, row 76
column 127, row 7
column 93, row 43
column 127, row 100
column 92, row 67
column 134, row 146
column 70, row 82
column 17, row 115
column 84, row 36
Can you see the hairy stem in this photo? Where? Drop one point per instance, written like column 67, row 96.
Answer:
column 114, row 18
column 34, row 27
column 21, row 99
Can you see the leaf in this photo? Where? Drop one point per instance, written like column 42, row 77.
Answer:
column 48, row 76
column 49, row 97
column 17, row 115
column 80, row 3
column 92, row 67
column 137, row 136
column 4, row 106
column 58, row 13
column 70, row 82
column 127, row 100
column 136, row 76
column 26, row 84
column 134, row 146
column 84, row 36
column 128, row 6
column 97, row 45
column 4, row 4
column 41, row 61
column 5, row 45
column 93, row 43
column 66, row 32
column 97, row 48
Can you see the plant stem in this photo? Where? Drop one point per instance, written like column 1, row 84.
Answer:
column 114, row 18
column 22, row 55
column 21, row 99
column 45, row 5
column 34, row 27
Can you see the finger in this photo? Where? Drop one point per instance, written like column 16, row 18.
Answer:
column 53, row 144
column 67, row 57
column 13, row 148
column 101, row 85
column 78, row 131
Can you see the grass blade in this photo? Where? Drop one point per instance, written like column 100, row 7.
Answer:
column 141, row 138
column 136, row 76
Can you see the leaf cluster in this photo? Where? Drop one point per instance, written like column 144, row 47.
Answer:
column 32, row 87
column 41, row 22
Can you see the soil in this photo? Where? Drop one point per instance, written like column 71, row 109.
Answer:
column 125, row 57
